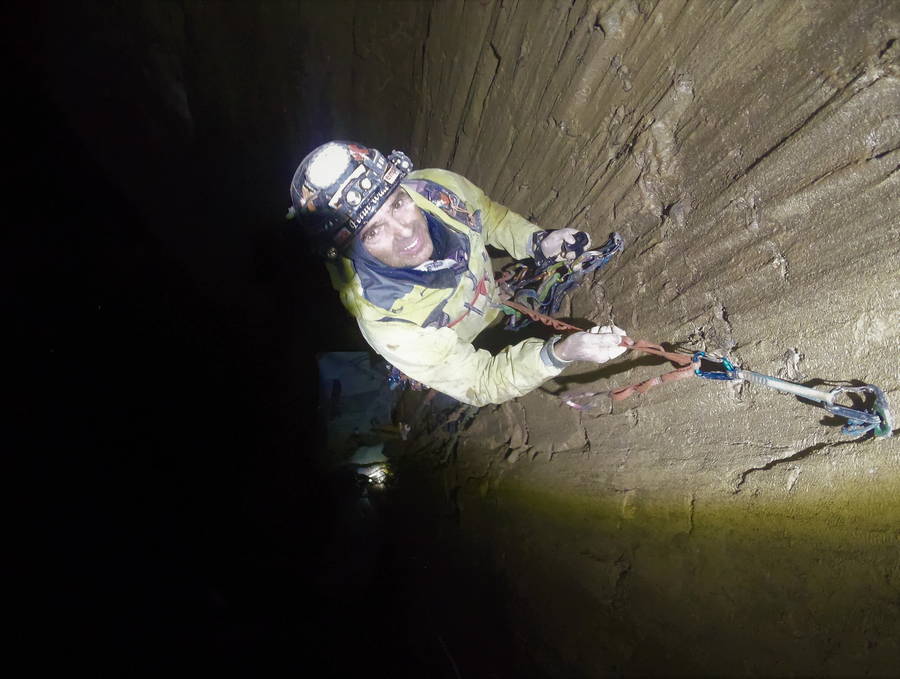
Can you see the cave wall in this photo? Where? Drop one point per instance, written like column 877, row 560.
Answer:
column 748, row 154
column 746, row 151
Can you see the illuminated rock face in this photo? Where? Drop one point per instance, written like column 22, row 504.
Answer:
column 748, row 153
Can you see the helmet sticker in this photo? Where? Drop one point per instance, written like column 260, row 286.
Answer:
column 451, row 204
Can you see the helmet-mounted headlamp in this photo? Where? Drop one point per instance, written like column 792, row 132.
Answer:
column 339, row 186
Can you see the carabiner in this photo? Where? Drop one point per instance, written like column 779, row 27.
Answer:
column 879, row 420
column 727, row 374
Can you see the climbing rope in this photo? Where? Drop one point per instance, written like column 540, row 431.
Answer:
column 533, row 292
column 877, row 419
column 688, row 368
column 688, row 364
column 554, row 323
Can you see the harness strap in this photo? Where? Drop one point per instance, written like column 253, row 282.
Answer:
column 480, row 289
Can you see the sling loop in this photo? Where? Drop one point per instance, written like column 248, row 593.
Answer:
column 688, row 364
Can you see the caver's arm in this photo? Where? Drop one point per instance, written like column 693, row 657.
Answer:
column 437, row 358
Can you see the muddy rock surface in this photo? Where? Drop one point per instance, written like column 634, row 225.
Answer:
column 748, row 153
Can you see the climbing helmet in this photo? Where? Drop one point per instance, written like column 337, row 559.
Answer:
column 338, row 187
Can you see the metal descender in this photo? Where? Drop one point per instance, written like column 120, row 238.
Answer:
column 877, row 419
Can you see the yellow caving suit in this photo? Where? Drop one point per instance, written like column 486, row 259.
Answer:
column 443, row 357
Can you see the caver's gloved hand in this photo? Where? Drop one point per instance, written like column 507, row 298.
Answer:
column 563, row 244
column 598, row 345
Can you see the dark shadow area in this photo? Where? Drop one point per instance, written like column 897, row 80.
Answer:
column 170, row 504
column 165, row 498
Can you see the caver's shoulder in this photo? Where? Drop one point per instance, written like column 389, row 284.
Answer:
column 446, row 178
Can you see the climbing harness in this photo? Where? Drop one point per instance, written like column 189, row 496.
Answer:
column 541, row 287
column 878, row 419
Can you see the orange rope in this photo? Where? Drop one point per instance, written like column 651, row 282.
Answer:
column 541, row 318
column 684, row 360
column 688, row 365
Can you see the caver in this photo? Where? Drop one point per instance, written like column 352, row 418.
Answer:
column 406, row 251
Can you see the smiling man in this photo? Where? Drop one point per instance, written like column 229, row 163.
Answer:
column 406, row 252
column 397, row 235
